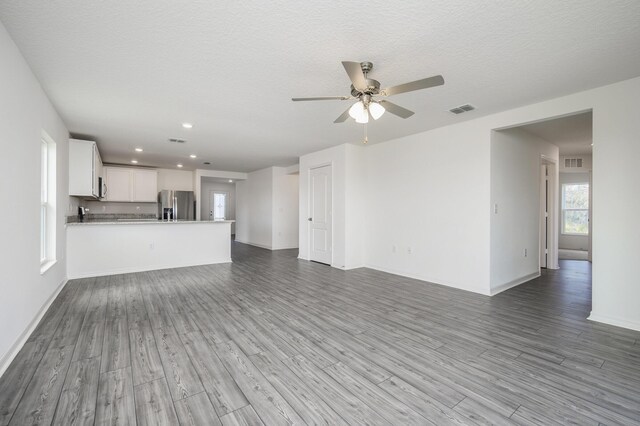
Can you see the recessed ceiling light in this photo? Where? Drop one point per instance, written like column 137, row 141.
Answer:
column 591, row 144
column 179, row 165
column 138, row 149
column 230, row 180
column 134, row 161
column 193, row 156
column 187, row 125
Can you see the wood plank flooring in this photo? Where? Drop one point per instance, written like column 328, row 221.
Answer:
column 273, row 340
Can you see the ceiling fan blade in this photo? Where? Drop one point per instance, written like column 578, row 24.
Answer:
column 322, row 98
column 343, row 117
column 396, row 109
column 355, row 74
column 425, row 83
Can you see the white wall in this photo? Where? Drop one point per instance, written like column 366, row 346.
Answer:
column 177, row 180
column 355, row 200
column 515, row 189
column 572, row 242
column 25, row 112
column 243, row 212
column 427, row 206
column 257, row 226
column 205, row 206
column 285, row 209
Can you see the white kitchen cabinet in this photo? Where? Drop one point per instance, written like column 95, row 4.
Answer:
column 118, row 184
column 127, row 184
column 85, row 169
column 145, row 185
column 98, row 173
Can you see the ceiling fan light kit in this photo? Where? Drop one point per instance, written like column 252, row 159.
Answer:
column 376, row 110
column 363, row 89
column 359, row 112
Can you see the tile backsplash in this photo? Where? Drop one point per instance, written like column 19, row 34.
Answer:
column 104, row 207
column 108, row 217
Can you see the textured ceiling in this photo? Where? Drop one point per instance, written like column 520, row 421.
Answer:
column 127, row 73
column 573, row 135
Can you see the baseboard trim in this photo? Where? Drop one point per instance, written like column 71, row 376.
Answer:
column 143, row 269
column 514, row 283
column 348, row 268
column 254, row 244
column 8, row 357
column 285, row 248
column 264, row 246
column 631, row 325
column 422, row 278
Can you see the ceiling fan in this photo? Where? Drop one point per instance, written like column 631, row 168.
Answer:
column 364, row 89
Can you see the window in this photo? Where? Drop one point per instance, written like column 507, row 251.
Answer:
column 44, row 159
column 47, row 202
column 575, row 208
column 219, row 209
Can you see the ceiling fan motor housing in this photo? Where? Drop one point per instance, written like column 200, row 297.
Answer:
column 373, row 88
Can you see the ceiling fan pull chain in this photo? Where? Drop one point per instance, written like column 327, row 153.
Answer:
column 366, row 139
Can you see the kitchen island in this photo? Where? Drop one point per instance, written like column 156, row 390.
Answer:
column 97, row 248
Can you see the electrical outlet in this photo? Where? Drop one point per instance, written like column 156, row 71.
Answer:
column 525, row 252
column 394, row 249
column 152, row 246
column 495, row 208
column 409, row 250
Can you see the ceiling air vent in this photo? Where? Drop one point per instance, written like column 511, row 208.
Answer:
column 462, row 108
column 174, row 140
column 572, row 163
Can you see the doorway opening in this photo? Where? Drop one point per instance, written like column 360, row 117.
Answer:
column 573, row 135
column 217, row 200
column 219, row 208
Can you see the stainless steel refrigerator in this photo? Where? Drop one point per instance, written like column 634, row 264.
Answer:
column 176, row 205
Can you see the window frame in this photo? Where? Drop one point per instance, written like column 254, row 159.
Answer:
column 44, row 192
column 47, row 202
column 563, row 210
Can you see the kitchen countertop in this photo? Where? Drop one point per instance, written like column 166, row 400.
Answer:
column 145, row 222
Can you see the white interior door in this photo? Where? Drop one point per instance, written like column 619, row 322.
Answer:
column 320, row 215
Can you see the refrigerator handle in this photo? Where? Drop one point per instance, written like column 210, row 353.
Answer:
column 175, row 209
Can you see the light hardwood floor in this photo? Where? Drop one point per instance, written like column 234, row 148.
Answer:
column 274, row 340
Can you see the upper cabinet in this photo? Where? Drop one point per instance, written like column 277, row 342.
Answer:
column 127, row 184
column 118, row 184
column 145, row 185
column 85, row 169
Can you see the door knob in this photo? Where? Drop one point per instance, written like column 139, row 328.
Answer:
column 310, row 219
